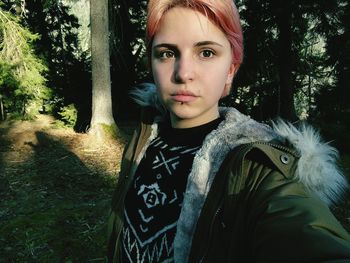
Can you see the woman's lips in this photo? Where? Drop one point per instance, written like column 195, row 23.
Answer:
column 184, row 96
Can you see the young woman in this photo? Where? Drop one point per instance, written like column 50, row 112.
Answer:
column 200, row 183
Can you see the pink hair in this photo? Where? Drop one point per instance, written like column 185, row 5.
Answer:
column 223, row 13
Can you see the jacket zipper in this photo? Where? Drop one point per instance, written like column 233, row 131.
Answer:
column 210, row 232
column 280, row 147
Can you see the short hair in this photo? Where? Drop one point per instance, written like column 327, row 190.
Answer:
column 223, row 13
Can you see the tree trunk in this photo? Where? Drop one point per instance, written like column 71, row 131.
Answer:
column 2, row 112
column 285, row 107
column 101, row 79
column 123, row 58
column 24, row 108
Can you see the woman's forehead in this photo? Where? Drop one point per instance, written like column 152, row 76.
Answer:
column 181, row 24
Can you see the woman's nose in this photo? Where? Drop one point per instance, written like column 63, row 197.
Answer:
column 184, row 70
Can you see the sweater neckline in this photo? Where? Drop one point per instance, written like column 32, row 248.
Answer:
column 193, row 136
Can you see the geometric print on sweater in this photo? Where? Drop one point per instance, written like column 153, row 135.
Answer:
column 153, row 202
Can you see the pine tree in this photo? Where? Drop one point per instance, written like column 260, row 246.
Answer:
column 22, row 83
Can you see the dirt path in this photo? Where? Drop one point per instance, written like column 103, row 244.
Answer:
column 55, row 191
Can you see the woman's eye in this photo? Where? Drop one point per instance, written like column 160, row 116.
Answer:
column 207, row 53
column 166, row 54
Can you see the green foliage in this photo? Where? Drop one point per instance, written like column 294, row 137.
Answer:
column 68, row 115
column 8, row 80
column 69, row 74
column 21, row 71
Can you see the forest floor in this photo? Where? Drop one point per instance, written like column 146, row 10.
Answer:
column 55, row 192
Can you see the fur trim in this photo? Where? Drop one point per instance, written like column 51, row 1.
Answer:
column 146, row 95
column 206, row 163
column 316, row 167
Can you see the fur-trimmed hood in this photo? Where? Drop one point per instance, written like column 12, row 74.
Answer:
column 316, row 167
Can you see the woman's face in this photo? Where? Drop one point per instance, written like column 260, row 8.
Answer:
column 192, row 66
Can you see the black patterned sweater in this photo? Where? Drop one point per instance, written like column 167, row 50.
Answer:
column 153, row 202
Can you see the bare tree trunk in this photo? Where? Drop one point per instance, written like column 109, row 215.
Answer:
column 101, row 79
column 286, row 108
column 2, row 112
column 310, row 96
column 24, row 108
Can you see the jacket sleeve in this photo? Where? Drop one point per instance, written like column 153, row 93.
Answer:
column 115, row 222
column 287, row 222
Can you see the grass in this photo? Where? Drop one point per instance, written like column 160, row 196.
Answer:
column 66, row 232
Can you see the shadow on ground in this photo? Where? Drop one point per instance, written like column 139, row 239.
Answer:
column 53, row 208
column 4, row 147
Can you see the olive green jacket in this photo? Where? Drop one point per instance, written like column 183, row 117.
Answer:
column 254, row 195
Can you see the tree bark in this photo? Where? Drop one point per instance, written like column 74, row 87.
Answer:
column 285, row 107
column 2, row 112
column 101, row 79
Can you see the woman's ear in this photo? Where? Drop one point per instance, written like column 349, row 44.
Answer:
column 229, row 79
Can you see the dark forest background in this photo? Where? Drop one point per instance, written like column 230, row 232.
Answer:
column 296, row 62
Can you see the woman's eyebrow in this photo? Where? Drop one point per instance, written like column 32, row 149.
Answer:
column 166, row 45
column 205, row 43
column 197, row 44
